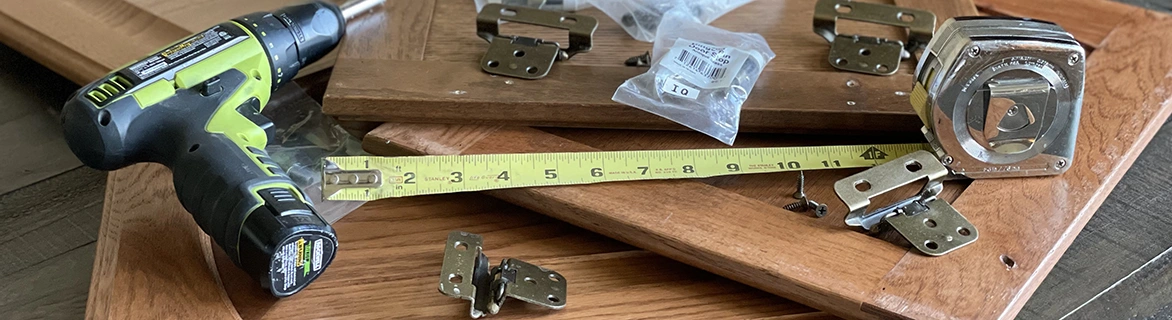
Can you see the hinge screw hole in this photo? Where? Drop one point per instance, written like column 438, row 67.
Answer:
column 863, row 186
column 1009, row 263
column 931, row 245
column 964, row 231
column 913, row 166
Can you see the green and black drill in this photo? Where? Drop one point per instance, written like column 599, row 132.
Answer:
column 195, row 107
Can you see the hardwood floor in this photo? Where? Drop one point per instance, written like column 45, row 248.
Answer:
column 50, row 206
column 1120, row 266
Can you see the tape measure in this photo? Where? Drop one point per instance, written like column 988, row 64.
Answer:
column 371, row 178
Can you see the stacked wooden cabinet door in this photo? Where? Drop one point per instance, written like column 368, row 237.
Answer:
column 152, row 262
column 734, row 226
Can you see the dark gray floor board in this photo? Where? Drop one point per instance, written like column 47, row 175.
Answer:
column 33, row 147
column 52, row 289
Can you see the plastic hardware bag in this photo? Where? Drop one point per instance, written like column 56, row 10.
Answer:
column 700, row 75
column 552, row 5
column 303, row 137
column 641, row 18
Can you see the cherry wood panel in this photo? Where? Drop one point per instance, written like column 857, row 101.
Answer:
column 153, row 262
column 990, row 279
column 1089, row 20
column 750, row 240
column 391, row 251
column 1032, row 221
column 798, row 92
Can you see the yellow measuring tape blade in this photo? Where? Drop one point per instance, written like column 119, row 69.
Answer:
column 372, row 178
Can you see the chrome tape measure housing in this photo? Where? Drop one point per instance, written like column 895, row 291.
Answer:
column 1001, row 97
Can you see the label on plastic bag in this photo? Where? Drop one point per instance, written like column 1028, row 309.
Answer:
column 673, row 87
column 704, row 65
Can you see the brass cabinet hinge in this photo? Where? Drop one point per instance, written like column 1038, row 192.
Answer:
column 929, row 223
column 871, row 55
column 466, row 274
column 525, row 57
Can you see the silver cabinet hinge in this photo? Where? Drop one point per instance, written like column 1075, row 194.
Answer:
column 525, row 57
column 466, row 274
column 871, row 55
column 929, row 223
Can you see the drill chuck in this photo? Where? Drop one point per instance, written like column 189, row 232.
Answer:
column 296, row 36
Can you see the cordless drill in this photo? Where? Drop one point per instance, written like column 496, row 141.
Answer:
column 195, row 107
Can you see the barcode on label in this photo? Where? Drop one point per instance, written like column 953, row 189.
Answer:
column 701, row 65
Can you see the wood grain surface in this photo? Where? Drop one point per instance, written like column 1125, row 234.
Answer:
column 34, row 145
column 1125, row 237
column 152, row 262
column 999, row 272
column 47, row 235
column 1142, row 294
column 1130, row 69
column 1089, row 20
column 750, row 240
column 152, row 237
column 136, row 30
column 391, row 250
column 444, row 84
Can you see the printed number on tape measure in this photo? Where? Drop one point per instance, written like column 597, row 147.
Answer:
column 371, row 178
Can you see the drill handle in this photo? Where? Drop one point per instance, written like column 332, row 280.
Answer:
column 218, row 182
column 245, row 201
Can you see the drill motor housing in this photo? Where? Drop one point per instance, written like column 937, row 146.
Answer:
column 195, row 107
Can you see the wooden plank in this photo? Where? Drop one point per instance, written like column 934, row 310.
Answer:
column 52, row 289
column 1128, row 231
column 34, row 147
column 152, row 262
column 1157, row 5
column 1130, row 69
column 1089, row 20
column 391, row 251
column 61, row 44
column 198, row 15
column 944, row 10
column 47, row 234
column 438, row 98
column 917, row 286
column 49, row 218
column 1141, row 295
column 359, row 283
column 148, row 241
column 676, row 218
column 461, row 305
column 449, row 87
column 67, row 46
